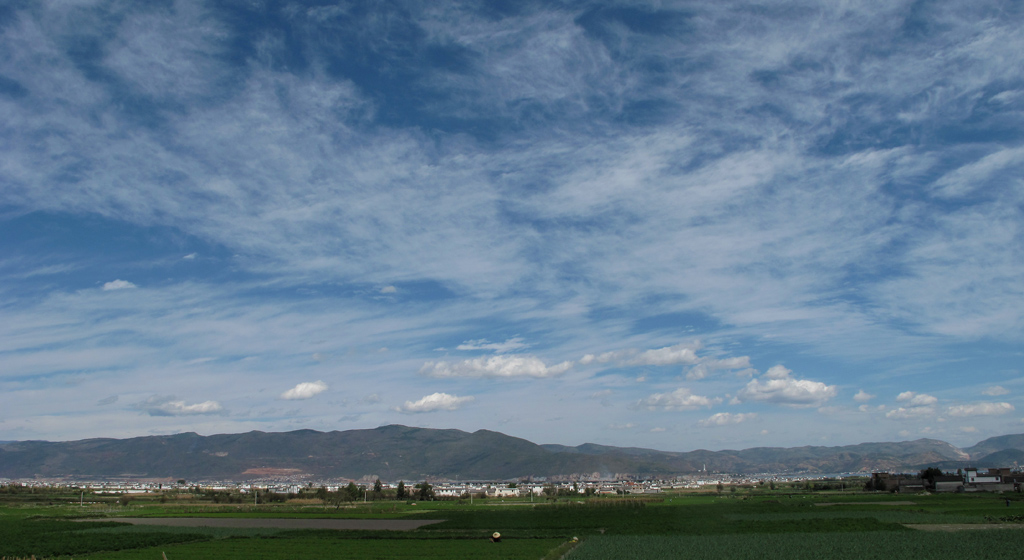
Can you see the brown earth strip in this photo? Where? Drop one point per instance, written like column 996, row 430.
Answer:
column 864, row 504
column 961, row 526
column 268, row 523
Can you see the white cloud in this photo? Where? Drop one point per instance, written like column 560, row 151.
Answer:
column 190, row 256
column 372, row 398
column 679, row 354
column 118, row 285
column 499, row 347
column 388, row 290
column 707, row 366
column 972, row 176
column 680, row 399
column 869, row 408
column 501, row 366
column 903, row 413
column 669, row 355
column 776, row 386
column 627, row 426
column 726, row 419
column 996, row 391
column 862, row 396
column 305, row 390
column 657, row 430
column 981, row 409
column 434, row 402
column 915, row 399
column 169, row 406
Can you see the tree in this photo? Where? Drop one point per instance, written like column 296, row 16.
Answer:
column 400, row 493
column 720, row 487
column 426, row 491
column 378, row 487
column 930, row 473
column 352, row 492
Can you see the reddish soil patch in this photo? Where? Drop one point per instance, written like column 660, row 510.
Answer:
column 962, row 526
column 273, row 472
column 268, row 523
column 865, row 504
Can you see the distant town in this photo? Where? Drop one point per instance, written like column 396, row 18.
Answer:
column 370, row 487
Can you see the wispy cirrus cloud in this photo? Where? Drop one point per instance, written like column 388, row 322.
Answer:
column 837, row 185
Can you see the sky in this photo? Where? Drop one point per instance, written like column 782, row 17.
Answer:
column 673, row 225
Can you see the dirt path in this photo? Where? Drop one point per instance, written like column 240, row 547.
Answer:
column 269, row 523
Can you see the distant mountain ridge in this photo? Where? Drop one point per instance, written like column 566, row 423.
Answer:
column 400, row 452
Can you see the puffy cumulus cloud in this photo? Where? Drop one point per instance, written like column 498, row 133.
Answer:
column 996, row 391
column 915, row 399
column 863, row 396
column 499, row 347
column 726, row 419
column 306, row 390
column 904, row 413
column 170, row 406
column 434, row 402
column 777, row 386
column 981, row 409
column 680, row 399
column 118, row 285
column 496, row 366
column 389, row 290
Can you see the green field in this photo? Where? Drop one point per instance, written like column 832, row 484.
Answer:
column 761, row 525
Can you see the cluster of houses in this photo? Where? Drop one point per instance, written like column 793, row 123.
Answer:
column 967, row 480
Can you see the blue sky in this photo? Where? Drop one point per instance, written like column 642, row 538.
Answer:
column 670, row 225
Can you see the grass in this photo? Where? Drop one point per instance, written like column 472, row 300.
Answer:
column 910, row 545
column 342, row 549
column 699, row 525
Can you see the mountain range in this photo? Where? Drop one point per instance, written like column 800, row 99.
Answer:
column 407, row 453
